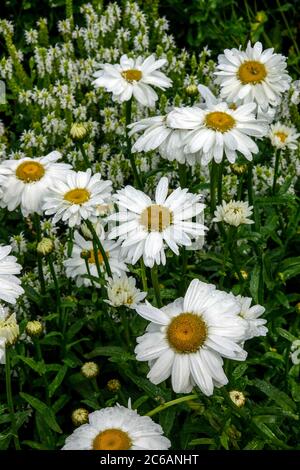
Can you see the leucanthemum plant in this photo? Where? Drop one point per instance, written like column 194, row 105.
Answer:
column 155, row 249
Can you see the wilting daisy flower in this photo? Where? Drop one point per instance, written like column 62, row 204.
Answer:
column 10, row 288
column 233, row 213
column 218, row 130
column 283, row 136
column 83, row 255
column 158, row 134
column 146, row 227
column 122, row 291
column 9, row 331
column 26, row 181
column 133, row 77
column 79, row 197
column 253, row 75
column 187, row 338
column 295, row 352
column 117, row 428
column 251, row 315
column 237, row 397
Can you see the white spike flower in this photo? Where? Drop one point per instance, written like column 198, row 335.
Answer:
column 233, row 213
column 187, row 339
column 25, row 182
column 83, row 254
column 10, row 285
column 77, row 198
column 284, row 137
column 117, row 428
column 133, row 77
column 254, row 75
column 146, row 227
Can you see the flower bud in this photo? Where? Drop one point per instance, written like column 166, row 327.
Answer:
column 34, row 328
column 192, row 90
column 78, row 131
column 90, row 370
column 45, row 246
column 113, row 385
column 80, row 416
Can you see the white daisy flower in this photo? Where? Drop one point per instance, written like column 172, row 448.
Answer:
column 146, row 227
column 122, row 291
column 251, row 315
column 117, row 428
column 83, row 252
column 9, row 331
column 10, row 288
column 133, row 77
column 219, row 129
column 186, row 339
column 233, row 213
column 253, row 75
column 295, row 352
column 26, row 181
column 78, row 197
column 284, row 137
column 159, row 135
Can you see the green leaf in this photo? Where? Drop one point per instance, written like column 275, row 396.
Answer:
column 167, row 418
column 286, row 334
column 254, row 283
column 44, row 410
column 281, row 398
column 36, row 445
column 114, row 352
column 58, row 380
column 38, row 367
column 202, row 441
column 152, row 390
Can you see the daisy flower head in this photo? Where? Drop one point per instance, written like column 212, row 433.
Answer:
column 122, row 291
column 233, row 213
column 25, row 182
column 9, row 331
column 157, row 134
column 83, row 260
column 10, row 284
column 147, row 227
column 187, row 339
column 251, row 315
column 295, row 352
column 253, row 75
column 133, row 77
column 117, row 428
column 218, row 129
column 284, row 137
column 77, row 198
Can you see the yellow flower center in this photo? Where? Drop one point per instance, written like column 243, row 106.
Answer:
column 112, row 439
column 156, row 218
column 77, row 196
column 252, row 71
column 30, row 171
column 187, row 333
column 132, row 75
column 281, row 136
column 90, row 256
column 219, row 121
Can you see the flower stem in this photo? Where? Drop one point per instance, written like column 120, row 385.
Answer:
column 144, row 276
column 171, row 403
column 231, row 234
column 154, row 277
column 182, row 171
column 37, row 225
column 220, row 180
column 70, row 242
column 97, row 242
column 136, row 175
column 9, row 397
column 277, row 160
column 40, row 358
column 213, row 183
column 250, row 184
column 84, row 155
column 89, row 271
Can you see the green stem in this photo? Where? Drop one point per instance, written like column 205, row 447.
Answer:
column 155, row 283
column 97, row 242
column 144, row 276
column 9, row 397
column 56, row 286
column 163, row 407
column 40, row 358
column 291, row 35
column 240, row 188
column 89, row 271
column 37, row 226
column 277, row 160
column 213, row 183
column 250, row 184
column 231, row 234
column 84, row 154
column 70, row 242
column 220, row 178
column 182, row 174
column 136, row 175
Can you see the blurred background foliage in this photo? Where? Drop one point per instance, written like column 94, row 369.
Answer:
column 194, row 23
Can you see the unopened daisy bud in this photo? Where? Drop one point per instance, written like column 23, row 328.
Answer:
column 9, row 331
column 244, row 275
column 80, row 416
column 78, row 131
column 237, row 397
column 238, row 169
column 45, row 246
column 34, row 328
column 297, row 307
column 261, row 17
column 90, row 370
column 113, row 385
column 192, row 90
